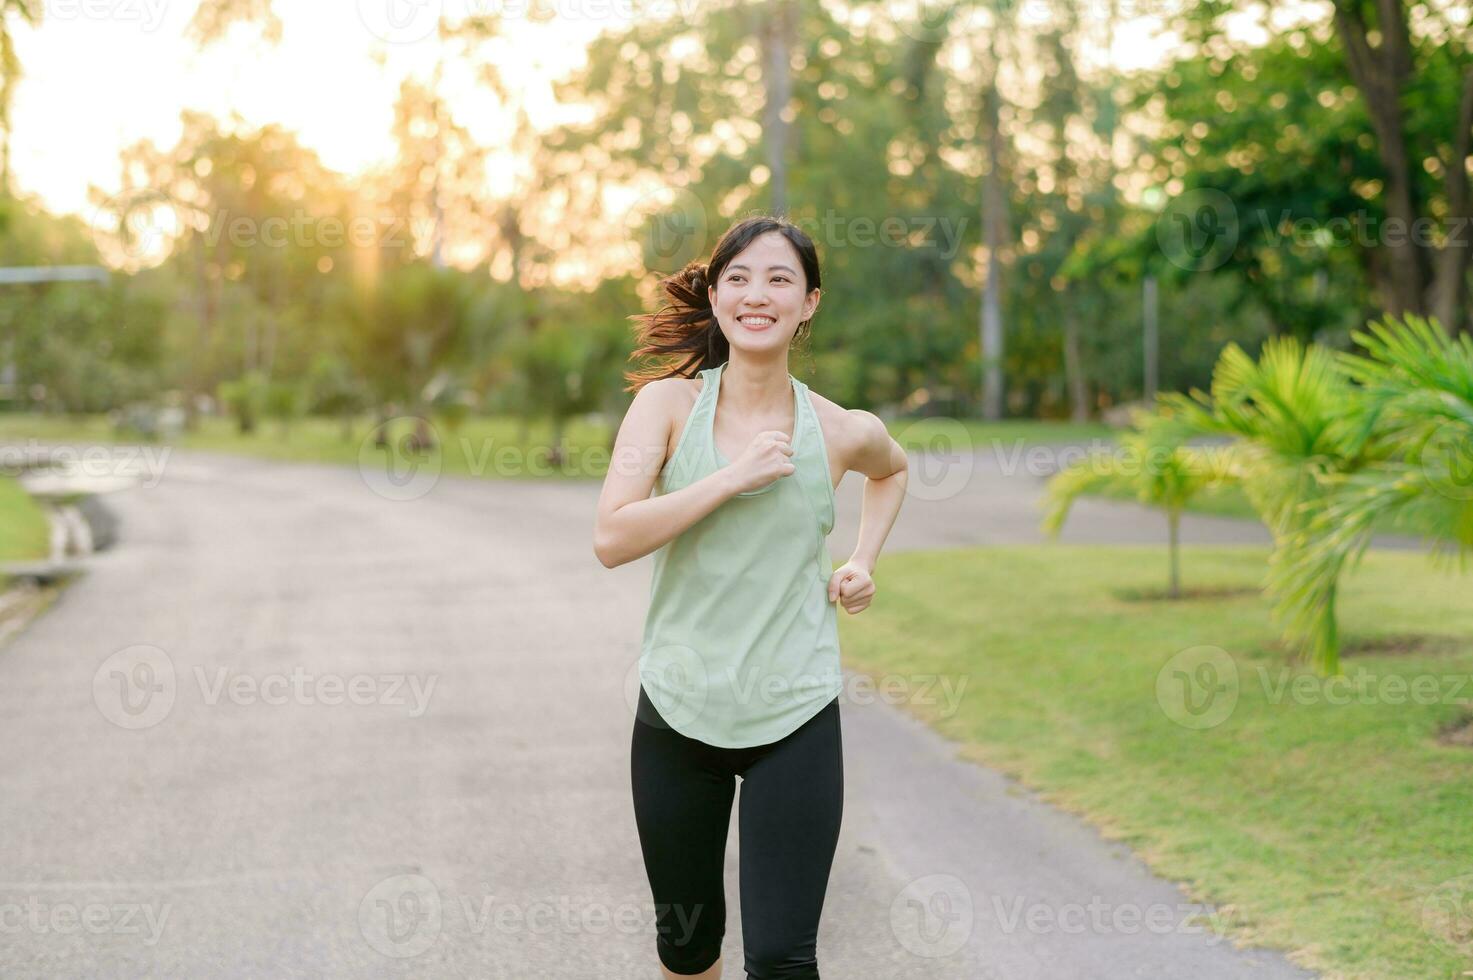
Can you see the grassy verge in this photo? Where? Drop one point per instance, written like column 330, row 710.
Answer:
column 24, row 531
column 493, row 447
column 498, row 446
column 1226, row 501
column 1326, row 827
column 926, row 433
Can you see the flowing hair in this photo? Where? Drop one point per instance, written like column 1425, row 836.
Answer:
column 684, row 333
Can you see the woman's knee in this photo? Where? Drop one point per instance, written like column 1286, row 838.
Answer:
column 689, row 959
column 689, row 936
column 779, row 967
column 780, row 963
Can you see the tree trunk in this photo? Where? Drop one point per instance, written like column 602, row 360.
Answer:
column 1173, row 547
column 1450, row 282
column 778, row 37
column 204, row 333
column 1074, row 371
column 1380, row 72
column 992, row 232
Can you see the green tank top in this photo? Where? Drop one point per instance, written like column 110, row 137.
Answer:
column 741, row 642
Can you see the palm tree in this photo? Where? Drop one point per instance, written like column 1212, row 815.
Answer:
column 1416, row 393
column 1154, row 465
column 1294, row 428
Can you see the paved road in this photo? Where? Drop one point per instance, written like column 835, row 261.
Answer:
column 187, row 794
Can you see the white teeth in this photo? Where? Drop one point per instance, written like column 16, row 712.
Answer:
column 754, row 320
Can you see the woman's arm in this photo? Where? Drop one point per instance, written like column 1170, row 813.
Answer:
column 883, row 462
column 881, row 459
column 630, row 523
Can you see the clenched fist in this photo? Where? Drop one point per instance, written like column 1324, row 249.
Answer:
column 764, row 460
column 853, row 586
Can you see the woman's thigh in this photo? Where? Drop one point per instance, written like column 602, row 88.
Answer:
column 792, row 803
column 682, row 807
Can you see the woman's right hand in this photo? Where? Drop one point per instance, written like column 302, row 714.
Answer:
column 764, row 460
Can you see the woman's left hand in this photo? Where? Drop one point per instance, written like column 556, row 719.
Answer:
column 852, row 585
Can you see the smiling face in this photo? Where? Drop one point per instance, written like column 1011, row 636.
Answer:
column 759, row 298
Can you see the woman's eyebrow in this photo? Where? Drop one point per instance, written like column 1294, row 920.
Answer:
column 774, row 268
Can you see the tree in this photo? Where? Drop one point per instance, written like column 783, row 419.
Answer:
column 777, row 38
column 676, row 104
column 252, row 220
column 1415, row 393
column 1152, row 463
column 994, row 221
column 1258, row 123
column 1382, row 57
column 1289, row 415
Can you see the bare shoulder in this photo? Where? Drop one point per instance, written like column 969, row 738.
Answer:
column 671, row 393
column 675, row 398
column 857, row 439
column 836, row 423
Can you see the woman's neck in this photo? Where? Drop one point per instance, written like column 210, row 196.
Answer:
column 756, row 388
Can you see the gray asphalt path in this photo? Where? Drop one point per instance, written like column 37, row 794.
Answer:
column 290, row 727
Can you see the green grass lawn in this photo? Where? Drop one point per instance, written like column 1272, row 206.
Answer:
column 928, row 433
column 497, row 446
column 1227, row 501
column 492, row 447
column 1322, row 827
column 24, row 531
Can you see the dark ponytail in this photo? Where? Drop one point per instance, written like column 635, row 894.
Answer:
column 684, row 333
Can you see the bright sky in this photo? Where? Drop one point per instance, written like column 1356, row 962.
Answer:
column 100, row 74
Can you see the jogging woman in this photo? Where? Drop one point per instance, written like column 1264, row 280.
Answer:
column 739, row 663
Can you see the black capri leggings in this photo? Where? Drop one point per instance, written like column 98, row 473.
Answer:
column 792, row 804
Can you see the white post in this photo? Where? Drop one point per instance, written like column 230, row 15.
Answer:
column 1152, row 340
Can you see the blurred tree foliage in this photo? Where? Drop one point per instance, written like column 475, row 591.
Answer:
column 241, row 256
